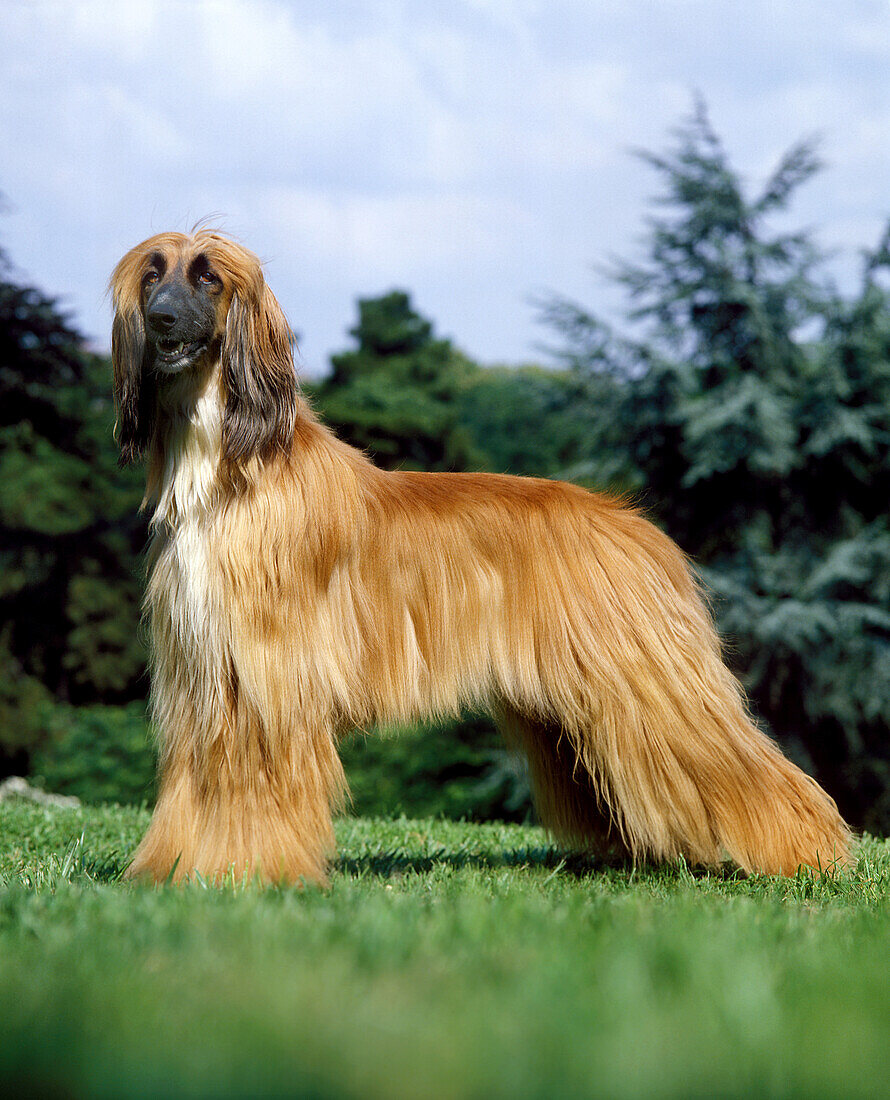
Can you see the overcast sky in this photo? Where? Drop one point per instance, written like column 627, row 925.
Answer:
column 474, row 152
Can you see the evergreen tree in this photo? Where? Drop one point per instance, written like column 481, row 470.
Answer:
column 524, row 420
column 396, row 394
column 69, row 593
column 752, row 416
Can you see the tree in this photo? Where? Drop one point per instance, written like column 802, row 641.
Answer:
column 396, row 394
column 752, row 414
column 523, row 420
column 69, row 590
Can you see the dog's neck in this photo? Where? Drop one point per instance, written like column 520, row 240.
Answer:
column 183, row 483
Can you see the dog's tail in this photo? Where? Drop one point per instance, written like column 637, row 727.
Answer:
column 660, row 737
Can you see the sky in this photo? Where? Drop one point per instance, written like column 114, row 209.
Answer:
column 477, row 153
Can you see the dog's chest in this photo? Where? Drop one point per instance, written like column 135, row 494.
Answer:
column 189, row 480
column 190, row 570
column 186, row 503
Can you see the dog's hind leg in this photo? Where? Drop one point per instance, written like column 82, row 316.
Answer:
column 565, row 799
column 659, row 723
column 696, row 778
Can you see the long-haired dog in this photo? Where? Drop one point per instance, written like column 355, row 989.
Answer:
column 296, row 592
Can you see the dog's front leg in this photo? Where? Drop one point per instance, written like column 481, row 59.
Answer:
column 238, row 806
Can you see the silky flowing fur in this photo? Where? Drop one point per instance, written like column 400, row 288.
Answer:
column 297, row 592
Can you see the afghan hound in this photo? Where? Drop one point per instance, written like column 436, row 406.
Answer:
column 296, row 591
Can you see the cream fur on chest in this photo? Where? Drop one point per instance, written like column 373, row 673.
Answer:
column 183, row 516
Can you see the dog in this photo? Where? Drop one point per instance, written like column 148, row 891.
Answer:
column 296, row 592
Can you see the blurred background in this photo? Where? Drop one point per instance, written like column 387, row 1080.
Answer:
column 640, row 246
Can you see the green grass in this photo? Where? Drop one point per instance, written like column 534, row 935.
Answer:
column 445, row 960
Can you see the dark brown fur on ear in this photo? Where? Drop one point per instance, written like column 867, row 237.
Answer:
column 133, row 388
column 262, row 392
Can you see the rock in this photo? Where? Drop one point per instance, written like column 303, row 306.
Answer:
column 16, row 787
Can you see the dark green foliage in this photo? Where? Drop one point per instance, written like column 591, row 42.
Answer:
column 451, row 769
column 752, row 414
column 69, row 534
column 24, row 703
column 99, row 753
column 413, row 401
column 396, row 395
column 524, row 420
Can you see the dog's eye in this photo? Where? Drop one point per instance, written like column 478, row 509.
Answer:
column 207, row 278
column 150, row 278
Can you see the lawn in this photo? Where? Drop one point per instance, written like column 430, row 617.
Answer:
column 446, row 960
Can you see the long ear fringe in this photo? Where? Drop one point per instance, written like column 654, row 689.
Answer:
column 132, row 387
column 262, row 392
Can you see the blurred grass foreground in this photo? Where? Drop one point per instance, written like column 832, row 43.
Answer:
column 446, row 959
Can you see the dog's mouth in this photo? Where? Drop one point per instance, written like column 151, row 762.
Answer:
column 172, row 355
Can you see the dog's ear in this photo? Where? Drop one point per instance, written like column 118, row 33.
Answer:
column 260, row 380
column 132, row 399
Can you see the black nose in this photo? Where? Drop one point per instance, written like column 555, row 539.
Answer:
column 161, row 320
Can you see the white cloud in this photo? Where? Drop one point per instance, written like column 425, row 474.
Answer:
column 397, row 236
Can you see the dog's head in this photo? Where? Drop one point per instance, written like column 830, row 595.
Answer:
column 185, row 305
